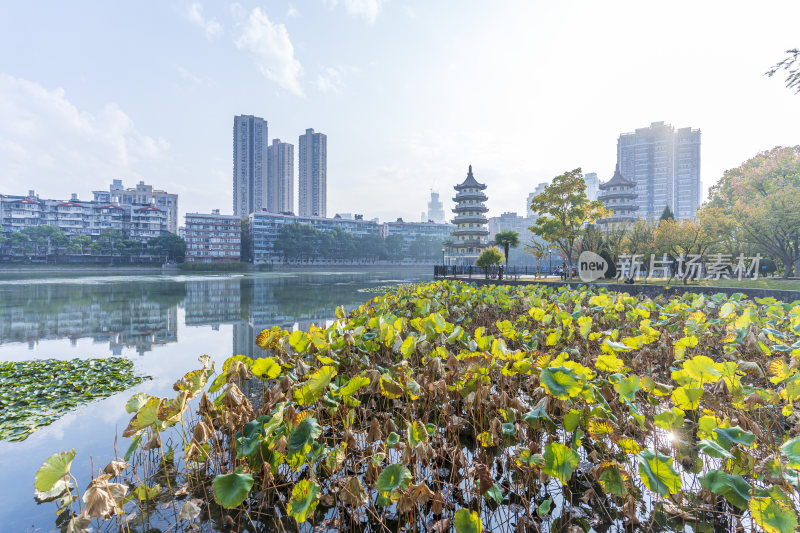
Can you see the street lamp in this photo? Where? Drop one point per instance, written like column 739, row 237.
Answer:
column 550, row 270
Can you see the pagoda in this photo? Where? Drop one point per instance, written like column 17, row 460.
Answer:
column 619, row 196
column 470, row 236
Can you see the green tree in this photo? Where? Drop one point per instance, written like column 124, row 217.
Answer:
column 565, row 209
column 170, row 245
column 507, row 239
column 46, row 239
column 489, row 257
column 761, row 198
column 667, row 214
column 79, row 243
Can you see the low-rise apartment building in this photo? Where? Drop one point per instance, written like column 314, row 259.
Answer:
column 212, row 237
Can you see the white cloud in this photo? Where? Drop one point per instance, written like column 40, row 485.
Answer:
column 273, row 50
column 210, row 26
column 367, row 9
column 188, row 75
column 331, row 79
column 47, row 143
column 292, row 12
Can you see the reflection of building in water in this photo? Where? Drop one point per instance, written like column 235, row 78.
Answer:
column 213, row 301
column 122, row 315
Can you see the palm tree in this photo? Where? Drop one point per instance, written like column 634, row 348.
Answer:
column 506, row 239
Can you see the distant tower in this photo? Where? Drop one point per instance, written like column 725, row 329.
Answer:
column 313, row 174
column 436, row 209
column 250, row 142
column 469, row 238
column 619, row 196
column 280, row 188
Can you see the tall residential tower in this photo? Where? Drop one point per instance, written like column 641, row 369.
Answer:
column 435, row 209
column 250, row 142
column 664, row 163
column 313, row 174
column 280, row 180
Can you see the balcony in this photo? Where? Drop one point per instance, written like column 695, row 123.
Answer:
column 470, row 219
column 466, row 196
column 480, row 208
column 470, row 231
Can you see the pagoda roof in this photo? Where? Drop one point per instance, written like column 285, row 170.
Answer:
column 470, row 182
column 617, row 180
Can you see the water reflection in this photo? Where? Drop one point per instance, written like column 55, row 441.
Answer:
column 163, row 323
column 140, row 314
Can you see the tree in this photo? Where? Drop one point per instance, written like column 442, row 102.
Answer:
column 761, row 198
column 169, row 245
column 565, row 209
column 489, row 257
column 506, row 239
column 79, row 243
column 790, row 64
column 667, row 214
column 640, row 238
column 683, row 237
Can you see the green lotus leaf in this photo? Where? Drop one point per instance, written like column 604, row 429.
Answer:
column 266, row 368
column 773, row 515
column 791, row 449
column 727, row 437
column 393, row 477
column 534, row 415
column 53, row 470
column 416, row 433
column 687, row 398
column 230, row 490
column 612, row 480
column 559, row 461
column 701, row 368
column 733, row 487
column 672, row 419
column 560, row 382
column 303, row 436
column 305, row 497
column 467, row 522
column 315, row 386
column 627, row 388
column 657, row 473
column 544, row 507
column 712, row 449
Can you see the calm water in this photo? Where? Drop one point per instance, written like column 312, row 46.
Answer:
column 162, row 323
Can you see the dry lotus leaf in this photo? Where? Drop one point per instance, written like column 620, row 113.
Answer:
column 190, row 510
column 374, row 434
column 153, row 443
column 440, row 526
column 115, row 468
column 438, row 503
column 202, row 432
column 420, row 493
column 78, row 524
column 350, row 439
column 389, row 426
column 281, row 445
column 352, row 493
column 206, row 406
column 101, row 497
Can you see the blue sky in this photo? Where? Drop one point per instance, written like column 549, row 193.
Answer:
column 409, row 93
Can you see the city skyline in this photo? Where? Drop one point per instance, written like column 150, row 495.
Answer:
column 74, row 113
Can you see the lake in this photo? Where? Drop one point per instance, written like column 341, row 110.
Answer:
column 162, row 323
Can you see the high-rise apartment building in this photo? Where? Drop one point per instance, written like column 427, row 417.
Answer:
column 592, row 184
column 250, row 143
column 313, row 174
column 280, row 177
column 665, row 165
column 142, row 195
column 530, row 213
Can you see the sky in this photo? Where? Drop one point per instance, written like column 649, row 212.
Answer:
column 409, row 93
